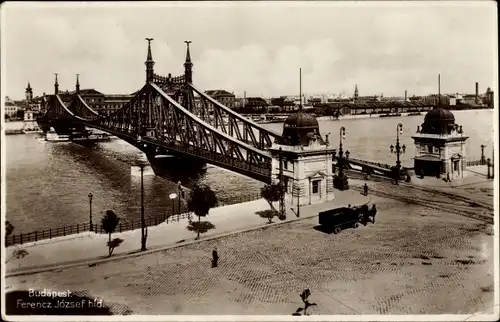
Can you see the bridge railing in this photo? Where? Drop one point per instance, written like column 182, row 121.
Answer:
column 475, row 163
column 124, row 225
column 377, row 164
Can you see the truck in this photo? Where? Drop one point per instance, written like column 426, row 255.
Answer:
column 339, row 218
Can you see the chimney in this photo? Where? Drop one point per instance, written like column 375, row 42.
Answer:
column 406, row 95
column 477, row 92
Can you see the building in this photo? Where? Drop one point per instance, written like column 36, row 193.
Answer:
column 440, row 145
column 223, row 97
column 284, row 103
column 488, row 98
column 104, row 104
column 11, row 108
column 306, row 161
column 256, row 103
column 113, row 103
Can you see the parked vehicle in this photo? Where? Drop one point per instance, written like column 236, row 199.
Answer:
column 339, row 219
column 347, row 217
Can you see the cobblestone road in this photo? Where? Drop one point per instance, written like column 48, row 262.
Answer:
column 413, row 260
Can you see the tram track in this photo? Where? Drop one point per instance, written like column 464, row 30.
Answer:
column 381, row 179
column 436, row 205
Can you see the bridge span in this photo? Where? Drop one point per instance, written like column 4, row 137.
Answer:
column 162, row 118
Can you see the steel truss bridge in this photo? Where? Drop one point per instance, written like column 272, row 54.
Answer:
column 170, row 115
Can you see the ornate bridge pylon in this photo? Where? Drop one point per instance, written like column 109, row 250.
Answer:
column 163, row 117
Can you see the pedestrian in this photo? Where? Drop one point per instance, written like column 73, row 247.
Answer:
column 448, row 177
column 215, row 258
column 373, row 213
column 365, row 188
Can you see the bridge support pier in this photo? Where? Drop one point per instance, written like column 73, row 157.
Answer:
column 175, row 168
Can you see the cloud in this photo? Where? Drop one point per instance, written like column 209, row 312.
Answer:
column 255, row 47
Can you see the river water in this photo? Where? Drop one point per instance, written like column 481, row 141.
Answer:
column 47, row 183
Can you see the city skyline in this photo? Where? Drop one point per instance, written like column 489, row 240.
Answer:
column 254, row 47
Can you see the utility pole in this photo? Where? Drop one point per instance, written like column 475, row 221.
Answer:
column 143, row 222
column 281, row 186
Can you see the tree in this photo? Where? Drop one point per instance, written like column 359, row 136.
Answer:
column 109, row 222
column 201, row 199
column 9, row 228
column 272, row 193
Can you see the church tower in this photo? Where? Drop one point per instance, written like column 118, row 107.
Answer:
column 356, row 93
column 29, row 92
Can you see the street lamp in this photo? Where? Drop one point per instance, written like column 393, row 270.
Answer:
column 90, row 208
column 482, row 154
column 399, row 150
column 172, row 197
column 180, row 191
column 339, row 160
column 143, row 222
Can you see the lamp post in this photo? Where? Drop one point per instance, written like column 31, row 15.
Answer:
column 340, row 161
column 90, row 209
column 398, row 150
column 172, row 197
column 298, row 201
column 143, row 222
column 482, row 154
column 179, row 188
column 327, row 143
column 488, row 163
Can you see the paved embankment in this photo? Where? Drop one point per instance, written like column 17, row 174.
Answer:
column 413, row 260
column 88, row 247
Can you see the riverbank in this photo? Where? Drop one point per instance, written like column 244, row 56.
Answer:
column 232, row 218
column 413, row 260
column 227, row 219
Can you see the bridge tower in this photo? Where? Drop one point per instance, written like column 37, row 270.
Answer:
column 56, row 86
column 302, row 160
column 306, row 161
column 440, row 145
column 188, row 65
column 149, row 63
column 77, row 86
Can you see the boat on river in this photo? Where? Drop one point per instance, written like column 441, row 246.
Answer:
column 54, row 137
column 390, row 115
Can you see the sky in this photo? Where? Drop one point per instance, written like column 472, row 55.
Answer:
column 257, row 47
